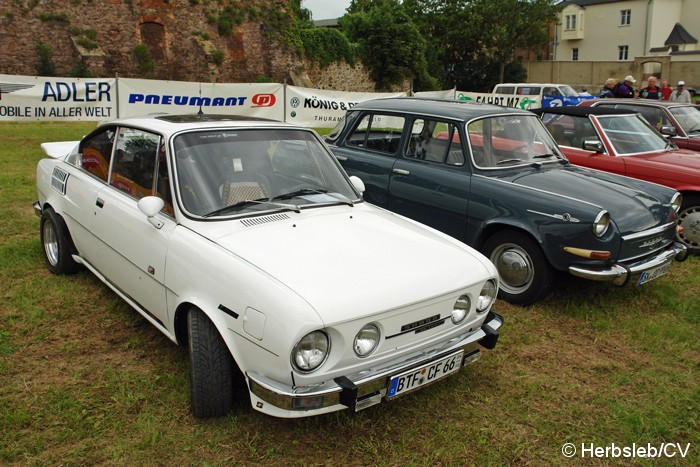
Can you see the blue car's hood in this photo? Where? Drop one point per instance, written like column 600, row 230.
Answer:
column 634, row 205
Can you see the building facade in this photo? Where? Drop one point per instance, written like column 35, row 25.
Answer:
column 628, row 30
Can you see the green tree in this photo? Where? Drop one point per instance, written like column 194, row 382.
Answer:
column 526, row 26
column 472, row 43
column 389, row 43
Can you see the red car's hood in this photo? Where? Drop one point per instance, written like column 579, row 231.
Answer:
column 676, row 165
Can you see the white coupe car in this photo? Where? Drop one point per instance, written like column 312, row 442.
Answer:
column 245, row 241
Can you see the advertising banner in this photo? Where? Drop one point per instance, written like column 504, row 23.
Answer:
column 25, row 98
column 144, row 97
column 316, row 108
column 506, row 100
column 562, row 101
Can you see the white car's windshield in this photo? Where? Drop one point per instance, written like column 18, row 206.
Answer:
column 631, row 134
column 237, row 171
column 688, row 117
column 510, row 140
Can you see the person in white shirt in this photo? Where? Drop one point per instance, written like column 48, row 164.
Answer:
column 680, row 94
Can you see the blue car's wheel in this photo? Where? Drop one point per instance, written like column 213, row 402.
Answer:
column 524, row 272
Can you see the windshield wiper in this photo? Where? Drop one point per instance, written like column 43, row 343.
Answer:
column 507, row 161
column 314, row 191
column 301, row 192
column 248, row 202
column 542, row 156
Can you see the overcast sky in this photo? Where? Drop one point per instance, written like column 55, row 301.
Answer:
column 326, row 9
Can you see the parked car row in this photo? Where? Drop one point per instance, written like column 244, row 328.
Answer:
column 304, row 288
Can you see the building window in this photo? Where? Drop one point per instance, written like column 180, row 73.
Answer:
column 625, row 17
column 574, row 54
column 570, row 22
column 623, row 52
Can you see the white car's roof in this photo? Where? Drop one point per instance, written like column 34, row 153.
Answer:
column 169, row 124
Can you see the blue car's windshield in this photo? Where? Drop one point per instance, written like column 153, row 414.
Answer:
column 510, row 140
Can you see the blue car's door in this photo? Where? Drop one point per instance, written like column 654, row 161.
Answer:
column 370, row 151
column 430, row 181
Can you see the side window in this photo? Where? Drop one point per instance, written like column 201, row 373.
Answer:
column 377, row 132
column 529, row 90
column 134, row 165
column 656, row 117
column 96, row 152
column 561, row 127
column 435, row 141
column 551, row 91
column 505, row 90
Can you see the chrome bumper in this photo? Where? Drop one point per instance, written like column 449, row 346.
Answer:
column 366, row 388
column 37, row 208
column 620, row 274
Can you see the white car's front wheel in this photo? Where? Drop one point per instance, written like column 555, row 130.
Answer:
column 211, row 368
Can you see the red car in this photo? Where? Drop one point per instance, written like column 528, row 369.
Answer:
column 622, row 142
column 679, row 121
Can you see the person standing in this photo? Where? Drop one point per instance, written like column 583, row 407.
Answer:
column 666, row 90
column 680, row 94
column 608, row 89
column 626, row 88
column 651, row 91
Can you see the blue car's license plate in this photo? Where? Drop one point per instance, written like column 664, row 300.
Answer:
column 654, row 273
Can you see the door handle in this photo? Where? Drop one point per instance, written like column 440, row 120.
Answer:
column 100, row 203
column 401, row 171
column 341, row 158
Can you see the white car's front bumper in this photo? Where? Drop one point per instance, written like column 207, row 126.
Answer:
column 366, row 388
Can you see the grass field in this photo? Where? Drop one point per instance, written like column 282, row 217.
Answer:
column 85, row 380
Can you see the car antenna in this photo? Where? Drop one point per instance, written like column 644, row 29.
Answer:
column 200, row 100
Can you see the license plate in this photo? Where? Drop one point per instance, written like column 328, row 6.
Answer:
column 417, row 377
column 655, row 273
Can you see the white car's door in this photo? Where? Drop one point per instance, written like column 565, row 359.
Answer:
column 133, row 250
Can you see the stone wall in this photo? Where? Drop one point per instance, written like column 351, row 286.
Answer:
column 181, row 35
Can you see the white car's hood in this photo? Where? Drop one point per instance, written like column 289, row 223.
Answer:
column 348, row 262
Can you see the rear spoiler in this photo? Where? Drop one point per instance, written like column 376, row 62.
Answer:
column 60, row 149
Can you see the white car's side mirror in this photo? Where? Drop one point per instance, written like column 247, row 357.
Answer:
column 150, row 206
column 358, row 183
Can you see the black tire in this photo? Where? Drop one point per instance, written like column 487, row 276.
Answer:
column 56, row 245
column 211, row 368
column 525, row 274
column 689, row 219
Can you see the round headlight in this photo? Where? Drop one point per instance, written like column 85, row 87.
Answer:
column 487, row 296
column 366, row 340
column 601, row 223
column 676, row 202
column 311, row 351
column 461, row 308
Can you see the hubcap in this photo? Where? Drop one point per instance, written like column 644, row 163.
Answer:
column 514, row 266
column 690, row 221
column 50, row 243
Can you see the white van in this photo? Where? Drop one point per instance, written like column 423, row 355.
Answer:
column 536, row 89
